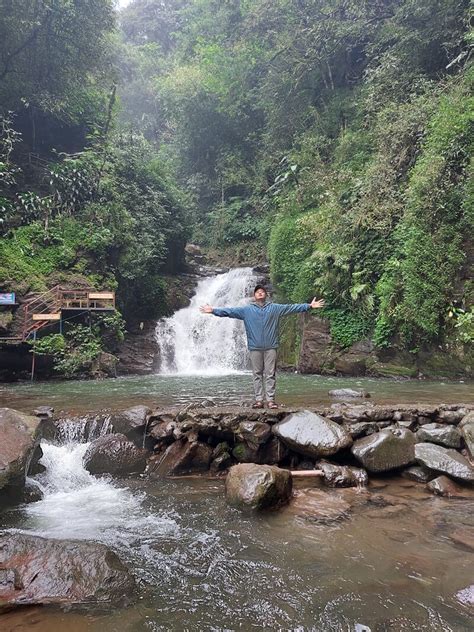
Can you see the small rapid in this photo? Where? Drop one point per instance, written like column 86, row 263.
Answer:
column 192, row 343
column 78, row 505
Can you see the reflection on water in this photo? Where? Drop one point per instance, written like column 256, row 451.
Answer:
column 166, row 390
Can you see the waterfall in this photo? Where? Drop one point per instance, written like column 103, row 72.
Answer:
column 192, row 343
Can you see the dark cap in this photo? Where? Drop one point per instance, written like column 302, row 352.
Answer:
column 259, row 286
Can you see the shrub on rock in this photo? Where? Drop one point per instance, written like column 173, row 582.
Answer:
column 251, row 486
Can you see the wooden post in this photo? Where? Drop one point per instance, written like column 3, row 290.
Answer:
column 33, row 359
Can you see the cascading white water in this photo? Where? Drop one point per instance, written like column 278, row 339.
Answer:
column 192, row 343
column 77, row 505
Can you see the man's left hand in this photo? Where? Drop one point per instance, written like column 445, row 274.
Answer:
column 317, row 303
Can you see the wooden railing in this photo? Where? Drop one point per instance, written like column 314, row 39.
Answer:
column 44, row 308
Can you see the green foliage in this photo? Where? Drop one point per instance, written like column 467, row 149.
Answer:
column 346, row 326
column 74, row 352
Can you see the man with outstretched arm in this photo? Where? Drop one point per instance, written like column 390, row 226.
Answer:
column 261, row 319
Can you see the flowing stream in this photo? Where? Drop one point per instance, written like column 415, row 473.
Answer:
column 192, row 343
column 335, row 560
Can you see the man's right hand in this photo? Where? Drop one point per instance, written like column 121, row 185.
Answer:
column 206, row 309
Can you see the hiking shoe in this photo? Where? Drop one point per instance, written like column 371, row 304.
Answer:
column 272, row 405
column 257, row 405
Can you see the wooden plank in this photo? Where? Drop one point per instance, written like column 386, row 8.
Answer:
column 101, row 296
column 46, row 316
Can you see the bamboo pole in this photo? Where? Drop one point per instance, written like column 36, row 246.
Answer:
column 306, row 473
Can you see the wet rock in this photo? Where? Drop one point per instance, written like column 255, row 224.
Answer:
column 19, row 438
column 31, row 493
column 35, row 466
column 105, row 365
column 385, row 450
column 466, row 426
column 254, row 432
column 245, row 453
column 45, row 412
column 463, row 536
column 445, row 461
column 357, row 413
column 40, row 571
column 362, row 428
column 444, row 486
column 422, row 420
column 273, row 452
column 221, row 448
column 319, row 506
column 114, row 454
column 131, row 422
column 343, row 476
column 251, row 486
column 163, row 431
column 449, row 436
column 348, row 392
column 221, row 462
column 466, row 596
column 181, row 457
column 312, row 435
column 419, row 473
column 451, row 416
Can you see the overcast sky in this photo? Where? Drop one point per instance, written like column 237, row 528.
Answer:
column 122, row 3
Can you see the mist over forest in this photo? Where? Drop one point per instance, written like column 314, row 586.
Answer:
column 331, row 138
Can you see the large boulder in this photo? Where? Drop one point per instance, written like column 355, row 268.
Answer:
column 35, row 570
column 441, row 434
column 132, row 422
column 466, row 426
column 251, row 486
column 386, row 450
column 19, row 438
column 312, row 435
column 445, row 461
column 181, row 457
column 114, row 454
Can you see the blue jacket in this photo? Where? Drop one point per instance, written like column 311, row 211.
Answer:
column 261, row 321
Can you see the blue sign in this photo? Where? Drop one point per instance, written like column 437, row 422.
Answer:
column 7, row 298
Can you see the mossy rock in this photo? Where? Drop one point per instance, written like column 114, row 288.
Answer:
column 388, row 369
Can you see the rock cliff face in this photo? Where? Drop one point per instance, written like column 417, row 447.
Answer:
column 319, row 353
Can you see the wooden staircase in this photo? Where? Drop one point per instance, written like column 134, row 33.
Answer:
column 43, row 309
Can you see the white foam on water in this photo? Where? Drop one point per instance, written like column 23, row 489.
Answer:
column 78, row 505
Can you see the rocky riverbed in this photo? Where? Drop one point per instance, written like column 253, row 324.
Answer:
column 350, row 445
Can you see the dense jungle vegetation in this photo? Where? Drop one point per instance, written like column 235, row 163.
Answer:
column 335, row 135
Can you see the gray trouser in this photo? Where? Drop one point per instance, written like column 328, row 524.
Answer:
column 263, row 366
